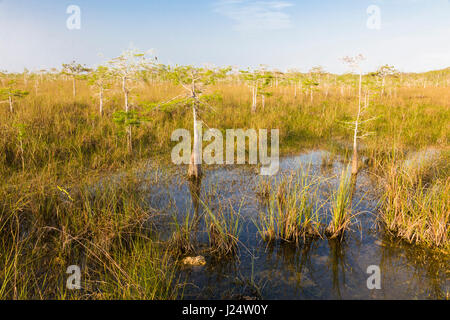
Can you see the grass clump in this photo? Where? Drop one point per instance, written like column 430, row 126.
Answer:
column 182, row 241
column 341, row 202
column 263, row 189
column 143, row 272
column 292, row 212
column 223, row 227
column 416, row 203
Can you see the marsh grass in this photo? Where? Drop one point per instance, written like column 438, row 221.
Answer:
column 84, row 225
column 416, row 202
column 223, row 227
column 144, row 272
column 263, row 189
column 182, row 242
column 63, row 142
column 213, row 216
column 68, row 137
column 297, row 210
column 328, row 160
column 341, row 206
column 293, row 211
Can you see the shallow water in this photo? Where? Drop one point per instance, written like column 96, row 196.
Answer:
column 316, row 269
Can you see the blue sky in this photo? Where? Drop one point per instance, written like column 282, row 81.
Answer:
column 414, row 34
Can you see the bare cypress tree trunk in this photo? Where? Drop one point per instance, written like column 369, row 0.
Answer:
column 263, row 98
column 195, row 186
column 355, row 136
column 125, row 92
column 195, row 167
column 11, row 104
column 355, row 152
column 254, row 95
column 74, row 87
column 101, row 100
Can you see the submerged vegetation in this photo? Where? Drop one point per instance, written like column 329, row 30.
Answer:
column 69, row 194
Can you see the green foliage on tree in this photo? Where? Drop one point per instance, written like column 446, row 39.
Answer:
column 127, row 67
column 195, row 81
column 100, row 78
column 259, row 81
column 10, row 93
column 75, row 71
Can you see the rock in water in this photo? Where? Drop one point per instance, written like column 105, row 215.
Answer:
column 194, row 261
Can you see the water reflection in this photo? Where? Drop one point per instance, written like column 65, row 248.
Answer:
column 337, row 265
column 314, row 269
column 416, row 271
column 195, row 187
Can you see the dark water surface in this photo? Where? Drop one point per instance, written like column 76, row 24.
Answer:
column 315, row 269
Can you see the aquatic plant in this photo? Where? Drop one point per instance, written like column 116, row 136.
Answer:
column 223, row 227
column 340, row 206
column 293, row 212
column 183, row 238
column 416, row 202
column 94, row 226
column 263, row 189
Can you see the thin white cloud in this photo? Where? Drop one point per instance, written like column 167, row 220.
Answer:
column 250, row 15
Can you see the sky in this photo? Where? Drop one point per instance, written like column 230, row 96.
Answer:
column 412, row 35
